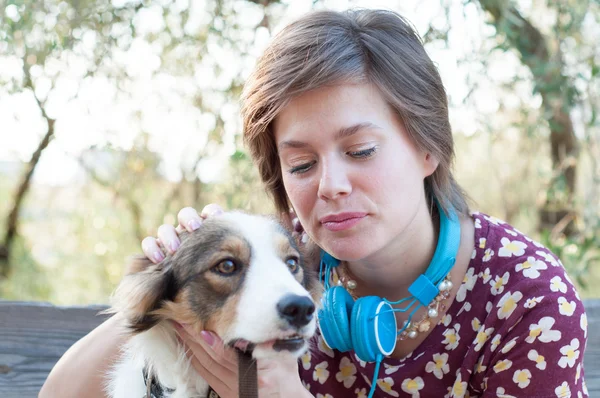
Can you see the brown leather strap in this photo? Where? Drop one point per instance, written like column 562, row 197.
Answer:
column 248, row 378
column 212, row 393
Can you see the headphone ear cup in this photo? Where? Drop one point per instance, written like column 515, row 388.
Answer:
column 374, row 328
column 334, row 318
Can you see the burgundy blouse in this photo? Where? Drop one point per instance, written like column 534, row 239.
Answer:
column 517, row 328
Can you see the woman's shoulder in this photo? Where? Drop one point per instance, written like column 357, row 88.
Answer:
column 503, row 248
column 516, row 276
column 504, row 258
column 527, row 311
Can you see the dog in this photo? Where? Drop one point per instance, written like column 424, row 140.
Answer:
column 241, row 276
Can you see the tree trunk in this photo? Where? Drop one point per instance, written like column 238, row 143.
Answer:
column 12, row 222
column 556, row 102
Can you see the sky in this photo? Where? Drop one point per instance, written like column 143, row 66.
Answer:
column 162, row 106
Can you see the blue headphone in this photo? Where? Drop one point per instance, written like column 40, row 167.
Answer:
column 368, row 325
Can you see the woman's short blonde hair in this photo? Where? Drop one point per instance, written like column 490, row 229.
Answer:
column 326, row 48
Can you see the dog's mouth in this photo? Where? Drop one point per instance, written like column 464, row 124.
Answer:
column 290, row 343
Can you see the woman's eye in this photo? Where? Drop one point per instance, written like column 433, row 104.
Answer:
column 226, row 267
column 363, row 153
column 303, row 168
column 292, row 263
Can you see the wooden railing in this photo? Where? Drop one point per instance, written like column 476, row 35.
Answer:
column 33, row 336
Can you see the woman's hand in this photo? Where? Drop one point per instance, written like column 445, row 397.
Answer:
column 297, row 228
column 167, row 239
column 218, row 365
column 168, row 235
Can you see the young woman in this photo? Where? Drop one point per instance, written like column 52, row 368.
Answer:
column 346, row 118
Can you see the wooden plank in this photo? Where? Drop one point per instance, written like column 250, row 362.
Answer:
column 33, row 336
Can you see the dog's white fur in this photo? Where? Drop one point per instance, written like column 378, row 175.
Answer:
column 267, row 280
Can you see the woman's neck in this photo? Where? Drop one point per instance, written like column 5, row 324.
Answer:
column 392, row 269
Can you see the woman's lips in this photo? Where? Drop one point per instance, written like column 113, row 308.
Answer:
column 342, row 221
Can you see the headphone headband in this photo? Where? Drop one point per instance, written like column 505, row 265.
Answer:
column 425, row 288
column 368, row 325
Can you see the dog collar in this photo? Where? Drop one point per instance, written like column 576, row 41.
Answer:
column 153, row 388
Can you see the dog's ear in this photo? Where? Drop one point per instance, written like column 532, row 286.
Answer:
column 143, row 292
column 311, row 257
column 137, row 264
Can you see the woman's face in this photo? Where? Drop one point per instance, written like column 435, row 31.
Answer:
column 352, row 174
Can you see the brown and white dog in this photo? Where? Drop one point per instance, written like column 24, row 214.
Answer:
column 240, row 276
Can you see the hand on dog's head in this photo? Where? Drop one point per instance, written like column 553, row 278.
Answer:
column 230, row 276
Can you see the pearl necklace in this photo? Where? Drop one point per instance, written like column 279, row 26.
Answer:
column 340, row 276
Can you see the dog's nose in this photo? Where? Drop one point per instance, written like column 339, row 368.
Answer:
column 297, row 310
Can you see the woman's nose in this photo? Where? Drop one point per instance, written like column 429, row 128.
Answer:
column 335, row 181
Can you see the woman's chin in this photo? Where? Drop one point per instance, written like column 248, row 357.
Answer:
column 348, row 251
column 351, row 245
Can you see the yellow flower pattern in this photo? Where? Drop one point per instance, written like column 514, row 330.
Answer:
column 413, row 386
column 305, row 360
column 508, row 304
column 540, row 361
column 452, row 337
column 439, row 366
column 515, row 320
column 361, row 393
column 347, row 373
column 502, row 365
column 321, row 373
column 386, row 385
column 522, row 377
column 459, row 388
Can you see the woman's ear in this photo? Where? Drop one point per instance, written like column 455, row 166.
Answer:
column 430, row 164
column 143, row 291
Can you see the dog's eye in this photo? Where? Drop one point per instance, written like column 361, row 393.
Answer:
column 292, row 263
column 226, row 267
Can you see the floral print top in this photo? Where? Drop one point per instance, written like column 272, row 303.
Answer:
column 517, row 328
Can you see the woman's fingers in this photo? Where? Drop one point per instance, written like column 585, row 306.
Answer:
column 298, row 231
column 218, row 365
column 168, row 237
column 297, row 228
column 167, row 242
column 211, row 209
column 222, row 386
column 214, row 362
column 210, row 347
column 189, row 219
column 152, row 250
column 279, row 378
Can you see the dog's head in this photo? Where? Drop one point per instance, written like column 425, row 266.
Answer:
column 239, row 275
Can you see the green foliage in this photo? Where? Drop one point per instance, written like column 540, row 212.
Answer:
column 75, row 239
column 28, row 281
column 581, row 258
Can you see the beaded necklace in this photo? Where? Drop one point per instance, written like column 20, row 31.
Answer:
column 343, row 277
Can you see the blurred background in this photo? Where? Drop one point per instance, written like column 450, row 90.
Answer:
column 116, row 114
